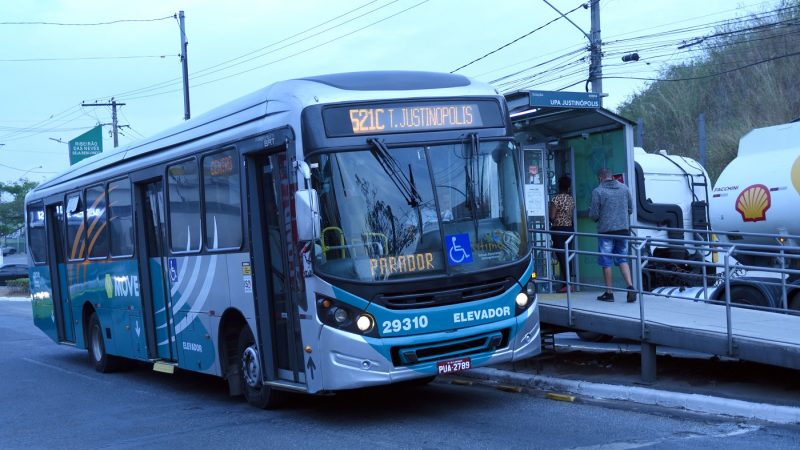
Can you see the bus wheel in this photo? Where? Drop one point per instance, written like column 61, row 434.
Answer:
column 591, row 336
column 255, row 392
column 102, row 361
column 747, row 295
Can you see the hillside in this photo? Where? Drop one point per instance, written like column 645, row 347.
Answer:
column 745, row 77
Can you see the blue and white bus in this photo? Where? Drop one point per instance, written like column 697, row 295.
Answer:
column 321, row 234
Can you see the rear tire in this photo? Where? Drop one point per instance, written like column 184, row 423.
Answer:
column 591, row 336
column 747, row 295
column 102, row 361
column 251, row 374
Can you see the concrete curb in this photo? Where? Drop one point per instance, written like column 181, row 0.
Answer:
column 691, row 402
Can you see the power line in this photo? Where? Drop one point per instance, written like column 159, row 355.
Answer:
column 518, row 39
column 85, row 58
column 775, row 58
column 87, row 24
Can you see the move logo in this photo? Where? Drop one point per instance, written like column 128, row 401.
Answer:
column 122, row 286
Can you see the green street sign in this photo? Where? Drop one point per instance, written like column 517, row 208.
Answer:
column 86, row 145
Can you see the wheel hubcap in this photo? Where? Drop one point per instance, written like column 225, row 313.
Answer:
column 251, row 367
column 97, row 347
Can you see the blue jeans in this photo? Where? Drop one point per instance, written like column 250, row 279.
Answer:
column 612, row 245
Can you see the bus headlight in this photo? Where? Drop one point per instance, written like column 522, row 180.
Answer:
column 340, row 315
column 365, row 322
column 522, row 299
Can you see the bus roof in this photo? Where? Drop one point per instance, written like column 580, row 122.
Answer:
column 254, row 106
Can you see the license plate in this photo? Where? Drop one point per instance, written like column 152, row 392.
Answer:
column 453, row 365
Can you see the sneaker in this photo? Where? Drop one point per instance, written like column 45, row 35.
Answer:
column 631, row 294
column 606, row 297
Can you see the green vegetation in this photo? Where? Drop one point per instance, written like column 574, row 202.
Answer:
column 12, row 205
column 746, row 78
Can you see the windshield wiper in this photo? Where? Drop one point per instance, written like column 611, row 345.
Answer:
column 395, row 173
column 470, row 171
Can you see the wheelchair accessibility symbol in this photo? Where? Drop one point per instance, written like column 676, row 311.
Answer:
column 458, row 249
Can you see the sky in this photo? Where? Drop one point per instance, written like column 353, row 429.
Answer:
column 48, row 71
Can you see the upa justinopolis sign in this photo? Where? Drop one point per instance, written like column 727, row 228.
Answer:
column 86, row 145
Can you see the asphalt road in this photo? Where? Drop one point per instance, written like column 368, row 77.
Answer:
column 51, row 398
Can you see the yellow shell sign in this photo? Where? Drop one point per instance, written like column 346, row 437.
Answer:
column 796, row 174
column 753, row 203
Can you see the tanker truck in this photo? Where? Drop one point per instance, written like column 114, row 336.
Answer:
column 755, row 201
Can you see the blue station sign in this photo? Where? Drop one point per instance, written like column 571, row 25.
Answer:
column 558, row 99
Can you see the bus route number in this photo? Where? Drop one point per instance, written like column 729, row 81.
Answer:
column 406, row 324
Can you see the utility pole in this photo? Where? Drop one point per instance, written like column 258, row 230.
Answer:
column 596, row 55
column 185, row 66
column 114, row 125
column 596, row 66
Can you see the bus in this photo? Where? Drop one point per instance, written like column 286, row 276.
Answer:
column 321, row 234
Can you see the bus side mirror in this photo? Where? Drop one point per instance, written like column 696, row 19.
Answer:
column 306, row 206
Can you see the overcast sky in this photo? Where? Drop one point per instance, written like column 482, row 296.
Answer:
column 238, row 46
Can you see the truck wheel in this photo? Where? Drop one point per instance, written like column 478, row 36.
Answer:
column 794, row 303
column 747, row 295
column 591, row 336
column 102, row 361
column 255, row 392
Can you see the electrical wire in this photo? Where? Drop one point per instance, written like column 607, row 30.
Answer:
column 518, row 39
column 113, row 22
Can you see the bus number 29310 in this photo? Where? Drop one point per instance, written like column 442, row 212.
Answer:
column 407, row 324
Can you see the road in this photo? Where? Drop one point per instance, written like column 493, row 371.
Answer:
column 51, row 398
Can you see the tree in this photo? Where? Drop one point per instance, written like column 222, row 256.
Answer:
column 12, row 205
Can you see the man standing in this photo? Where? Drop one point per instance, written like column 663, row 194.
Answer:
column 611, row 208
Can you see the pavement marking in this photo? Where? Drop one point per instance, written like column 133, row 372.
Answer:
column 672, row 439
column 559, row 397
column 15, row 299
column 61, row 369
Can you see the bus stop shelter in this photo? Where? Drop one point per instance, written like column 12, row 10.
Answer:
column 568, row 133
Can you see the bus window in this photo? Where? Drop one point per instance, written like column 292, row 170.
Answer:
column 96, row 233
column 184, row 207
column 120, row 218
column 36, row 233
column 76, row 238
column 223, row 207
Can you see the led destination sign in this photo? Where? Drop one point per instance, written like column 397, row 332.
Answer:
column 404, row 117
column 382, row 120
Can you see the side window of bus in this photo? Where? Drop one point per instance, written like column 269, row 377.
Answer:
column 120, row 218
column 36, row 233
column 76, row 236
column 222, row 203
column 96, row 232
column 184, row 207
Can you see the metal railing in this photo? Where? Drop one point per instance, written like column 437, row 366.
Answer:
column 706, row 273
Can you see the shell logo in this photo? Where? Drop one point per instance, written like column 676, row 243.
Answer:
column 753, row 203
column 796, row 174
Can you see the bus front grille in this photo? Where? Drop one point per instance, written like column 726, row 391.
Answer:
column 447, row 296
column 455, row 348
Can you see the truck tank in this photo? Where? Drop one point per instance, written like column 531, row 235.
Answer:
column 759, row 190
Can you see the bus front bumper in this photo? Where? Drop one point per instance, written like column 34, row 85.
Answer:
column 354, row 361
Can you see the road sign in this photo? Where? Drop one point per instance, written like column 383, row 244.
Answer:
column 86, row 145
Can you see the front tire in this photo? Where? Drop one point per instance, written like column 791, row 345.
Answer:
column 102, row 361
column 251, row 374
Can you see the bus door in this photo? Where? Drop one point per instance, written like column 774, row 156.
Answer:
column 62, row 305
column 276, row 286
column 156, row 301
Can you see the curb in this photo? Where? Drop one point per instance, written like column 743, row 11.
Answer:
column 691, row 402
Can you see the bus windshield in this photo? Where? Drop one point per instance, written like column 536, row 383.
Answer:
column 401, row 212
